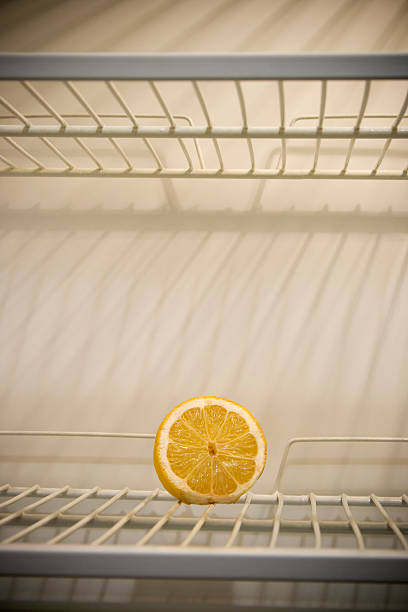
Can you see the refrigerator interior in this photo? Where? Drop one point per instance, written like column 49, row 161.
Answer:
column 122, row 297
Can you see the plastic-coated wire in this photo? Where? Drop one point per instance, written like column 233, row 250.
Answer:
column 86, row 519
column 19, row 496
column 245, row 122
column 39, row 502
column 23, row 152
column 121, row 153
column 44, row 102
column 323, row 96
column 315, row 521
column 120, row 99
column 87, row 150
column 277, row 520
column 125, row 519
column 76, row 434
column 15, row 112
column 238, row 522
column 209, row 123
column 197, row 526
column 257, row 499
column 364, row 101
column 84, row 103
column 57, row 152
column 281, row 93
column 170, row 118
column 319, row 439
column 353, row 522
column 390, row 521
column 7, row 162
column 148, row 536
column 395, row 125
column 49, row 517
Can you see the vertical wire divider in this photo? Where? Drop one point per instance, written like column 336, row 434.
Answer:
column 125, row 519
column 323, row 97
column 171, row 121
column 124, row 105
column 44, row 103
column 281, row 93
column 148, row 536
column 352, row 521
column 394, row 128
column 206, row 113
column 35, row 504
column 238, row 521
column 50, row 517
column 241, row 100
column 315, row 521
column 23, row 151
column 57, row 152
column 19, row 496
column 360, row 117
column 277, row 520
column 89, row 517
column 15, row 112
column 390, row 521
column 200, row 522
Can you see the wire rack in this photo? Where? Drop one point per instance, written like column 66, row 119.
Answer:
column 66, row 531
column 42, row 135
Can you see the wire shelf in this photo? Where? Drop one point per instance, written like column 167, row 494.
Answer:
column 119, row 536
column 68, row 531
column 42, row 135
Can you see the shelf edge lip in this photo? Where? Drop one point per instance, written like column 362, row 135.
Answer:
column 202, row 66
column 202, row 563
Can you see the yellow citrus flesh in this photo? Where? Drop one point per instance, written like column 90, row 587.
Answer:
column 209, row 450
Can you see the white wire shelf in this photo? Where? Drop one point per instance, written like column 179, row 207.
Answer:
column 68, row 531
column 90, row 142
column 64, row 542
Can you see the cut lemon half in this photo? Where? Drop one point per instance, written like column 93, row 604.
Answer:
column 209, row 450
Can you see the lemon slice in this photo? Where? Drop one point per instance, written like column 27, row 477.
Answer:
column 209, row 450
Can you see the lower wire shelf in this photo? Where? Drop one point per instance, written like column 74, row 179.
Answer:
column 148, row 534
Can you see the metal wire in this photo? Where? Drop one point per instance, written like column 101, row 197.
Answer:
column 391, row 523
column 86, row 519
column 148, row 536
column 323, row 97
column 21, row 150
column 48, row 518
column 394, row 128
column 352, row 521
column 360, row 117
column 245, row 123
column 197, row 526
column 39, row 502
column 169, row 116
column 315, row 521
column 125, row 519
column 29, row 87
column 277, row 520
column 238, row 522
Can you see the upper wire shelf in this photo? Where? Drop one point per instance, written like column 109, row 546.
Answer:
column 42, row 136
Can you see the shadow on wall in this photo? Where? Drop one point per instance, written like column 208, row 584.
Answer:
column 225, row 25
